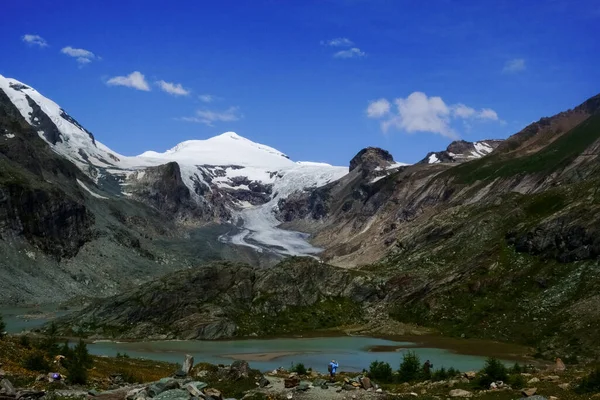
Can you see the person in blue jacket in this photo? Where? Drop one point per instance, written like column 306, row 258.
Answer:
column 333, row 366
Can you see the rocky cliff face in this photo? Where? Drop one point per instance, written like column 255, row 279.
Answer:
column 461, row 151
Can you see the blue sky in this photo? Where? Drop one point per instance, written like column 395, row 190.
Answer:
column 316, row 79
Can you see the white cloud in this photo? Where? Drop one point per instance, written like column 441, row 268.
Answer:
column 514, row 65
column 83, row 56
column 134, row 80
column 338, row 42
column 420, row 113
column 350, row 53
column 209, row 117
column 173, row 88
column 378, row 108
column 35, row 40
column 207, row 98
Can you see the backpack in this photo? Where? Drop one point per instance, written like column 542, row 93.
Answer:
column 330, row 368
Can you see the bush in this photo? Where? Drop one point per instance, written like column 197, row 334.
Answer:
column 36, row 362
column 440, row 374
column 453, row 372
column 124, row 355
column 381, row 371
column 516, row 369
column 590, row 383
column 493, row 371
column 24, row 341
column 517, row 381
column 410, row 368
column 299, row 368
column 2, row 326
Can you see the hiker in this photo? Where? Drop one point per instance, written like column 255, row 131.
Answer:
column 427, row 367
column 332, row 368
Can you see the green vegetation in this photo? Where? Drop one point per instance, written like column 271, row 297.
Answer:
column 77, row 362
column 36, row 362
column 590, row 383
column 299, row 368
column 493, row 371
column 2, row 326
column 410, row 368
column 555, row 156
column 381, row 372
column 327, row 314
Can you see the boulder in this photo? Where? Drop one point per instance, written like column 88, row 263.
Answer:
column 195, row 388
column 291, row 382
column 188, row 364
column 212, row 393
column 263, row 382
column 347, row 386
column 533, row 380
column 303, row 386
column 380, row 390
column 460, row 393
column 133, row 394
column 161, row 386
column 324, row 386
column 238, row 370
column 470, row 375
column 366, row 382
column 319, row 382
column 173, row 394
column 559, row 365
column 529, row 392
column 8, row 387
column 564, row 386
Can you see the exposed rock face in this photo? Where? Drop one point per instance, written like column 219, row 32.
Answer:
column 461, row 151
column 370, row 158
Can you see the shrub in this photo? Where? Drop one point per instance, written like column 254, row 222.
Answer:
column 77, row 363
column 517, row 381
column 493, row 371
column 2, row 325
column 36, row 362
column 516, row 369
column 299, row 368
column 440, row 374
column 590, row 383
column 24, row 341
column 381, row 371
column 409, row 368
column 453, row 372
column 124, row 355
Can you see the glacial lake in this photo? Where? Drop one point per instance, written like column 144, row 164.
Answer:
column 354, row 353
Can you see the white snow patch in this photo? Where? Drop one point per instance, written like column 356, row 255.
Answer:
column 377, row 179
column 433, row 159
column 9, row 135
column 90, row 192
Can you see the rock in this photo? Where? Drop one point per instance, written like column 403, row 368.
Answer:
column 188, row 364
column 93, row 392
column 195, row 388
column 40, row 378
column 319, row 382
column 493, row 386
column 347, row 386
column 366, row 382
column 553, row 398
column 564, row 386
column 559, row 365
column 380, row 390
column 551, row 378
column 8, row 387
column 413, row 394
column 202, row 374
column 324, row 386
column 289, row 396
column 213, row 394
column 180, row 374
column 133, row 394
column 460, row 393
column 303, row 386
column 2, row 373
column 355, row 384
column 525, row 374
column 263, row 382
column 291, row 382
column 161, row 386
column 533, row 380
column 173, row 394
column 529, row 392
column 470, row 375
column 536, row 397
column 239, row 369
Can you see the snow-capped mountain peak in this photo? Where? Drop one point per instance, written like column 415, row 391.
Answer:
column 460, row 151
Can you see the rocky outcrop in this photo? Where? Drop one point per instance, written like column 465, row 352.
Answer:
column 461, row 151
column 225, row 300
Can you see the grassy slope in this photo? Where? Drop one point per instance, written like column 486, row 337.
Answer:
column 495, row 292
